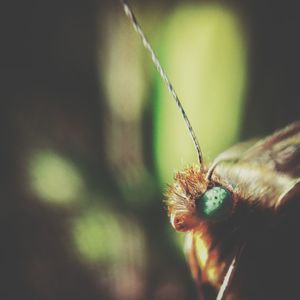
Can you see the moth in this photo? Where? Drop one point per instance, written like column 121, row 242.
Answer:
column 241, row 213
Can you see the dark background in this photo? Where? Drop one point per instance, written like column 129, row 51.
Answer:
column 52, row 97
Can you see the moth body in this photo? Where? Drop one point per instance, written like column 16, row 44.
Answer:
column 261, row 189
column 241, row 214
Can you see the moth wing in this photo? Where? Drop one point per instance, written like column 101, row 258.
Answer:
column 279, row 152
column 234, row 153
column 269, row 170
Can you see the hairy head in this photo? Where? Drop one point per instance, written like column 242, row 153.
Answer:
column 181, row 197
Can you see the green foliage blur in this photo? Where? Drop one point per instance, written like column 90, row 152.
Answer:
column 91, row 137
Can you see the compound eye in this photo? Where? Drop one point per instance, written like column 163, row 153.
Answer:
column 216, row 203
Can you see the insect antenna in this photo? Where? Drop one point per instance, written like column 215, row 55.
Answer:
column 226, row 279
column 163, row 75
column 230, row 272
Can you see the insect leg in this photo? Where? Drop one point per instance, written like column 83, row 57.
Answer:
column 190, row 252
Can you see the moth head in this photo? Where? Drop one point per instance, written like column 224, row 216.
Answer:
column 194, row 200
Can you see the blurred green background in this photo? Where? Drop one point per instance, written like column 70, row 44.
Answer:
column 90, row 136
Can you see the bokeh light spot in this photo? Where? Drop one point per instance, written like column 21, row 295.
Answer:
column 115, row 246
column 105, row 237
column 97, row 236
column 54, row 179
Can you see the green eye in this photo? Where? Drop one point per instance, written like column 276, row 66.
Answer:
column 215, row 203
